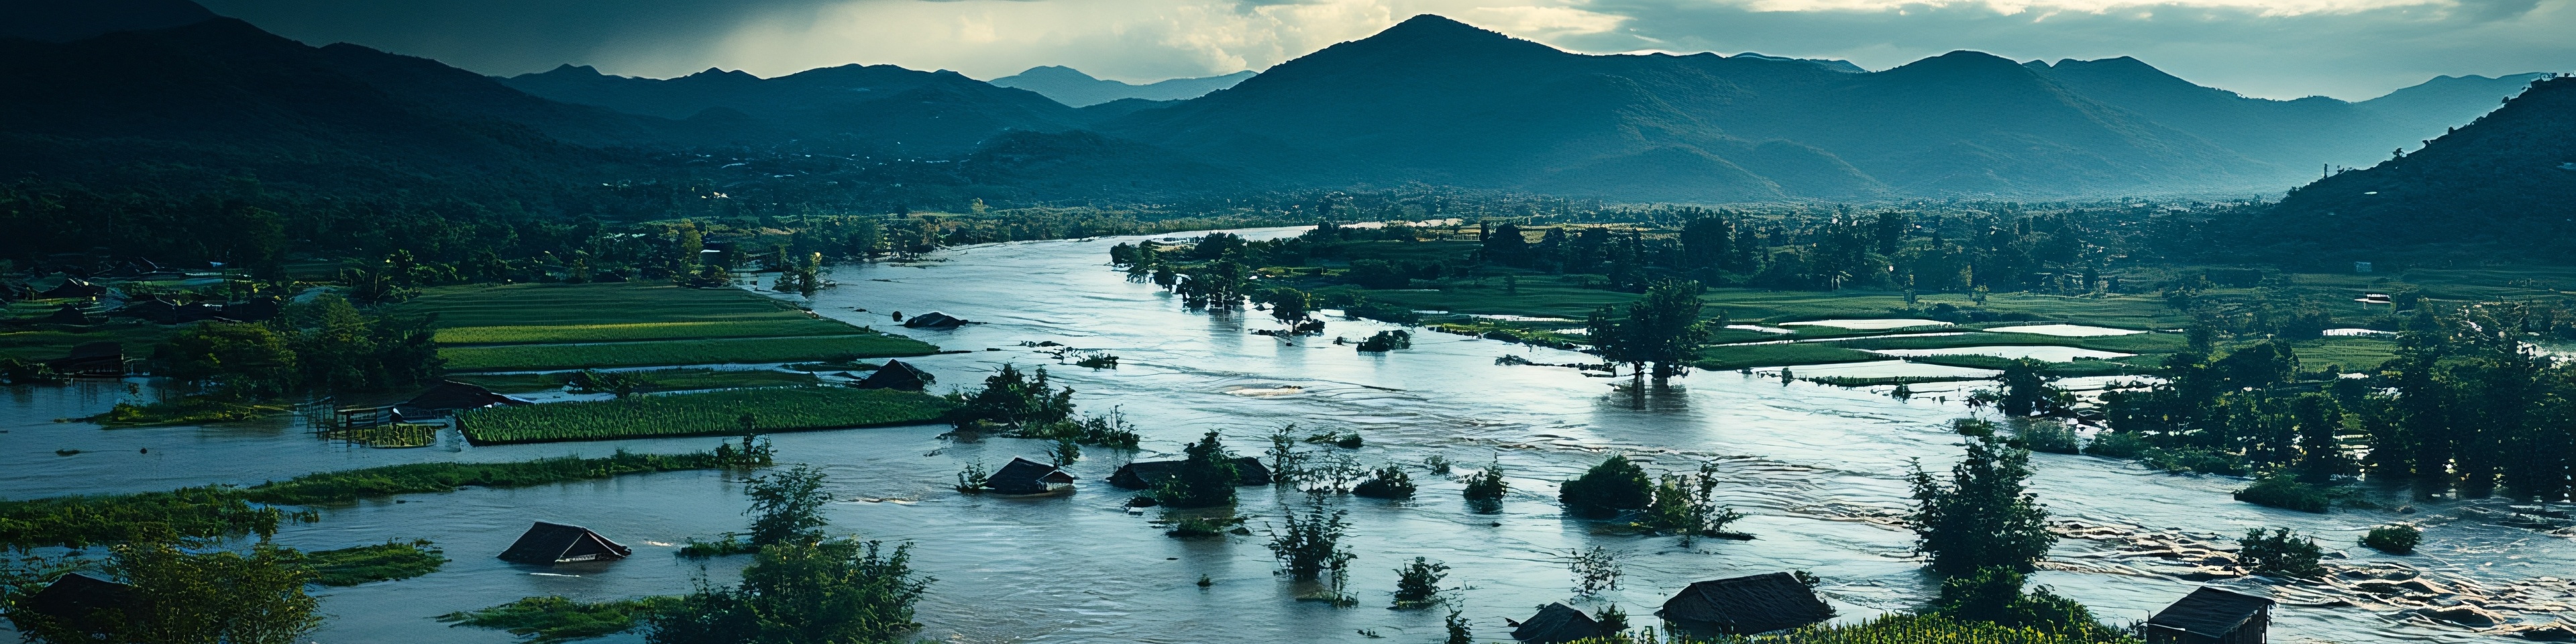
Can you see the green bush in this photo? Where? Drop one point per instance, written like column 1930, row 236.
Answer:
column 2194, row 459
column 1206, row 477
column 549, row 620
column 2394, row 539
column 383, row 562
column 2048, row 436
column 2117, row 445
column 1487, row 485
column 2281, row 553
column 2282, row 491
column 1388, row 482
column 1608, row 488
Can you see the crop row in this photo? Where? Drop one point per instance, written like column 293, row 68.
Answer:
column 703, row 413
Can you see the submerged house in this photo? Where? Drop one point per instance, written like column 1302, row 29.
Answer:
column 2212, row 616
column 1556, row 623
column 547, row 544
column 897, row 375
column 1024, row 476
column 1746, row 605
column 102, row 359
column 86, row 603
column 1145, row 474
column 933, row 320
column 75, row 287
column 450, row 397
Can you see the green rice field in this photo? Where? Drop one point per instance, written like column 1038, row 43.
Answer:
column 538, row 327
column 700, row 414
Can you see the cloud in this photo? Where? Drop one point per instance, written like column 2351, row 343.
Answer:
column 2274, row 48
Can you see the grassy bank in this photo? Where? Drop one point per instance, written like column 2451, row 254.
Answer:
column 533, row 327
column 382, row 562
column 699, row 414
column 547, row 620
column 530, row 357
column 223, row 510
column 188, row 410
column 656, row 380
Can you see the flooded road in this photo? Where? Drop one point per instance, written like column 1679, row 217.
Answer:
column 1818, row 469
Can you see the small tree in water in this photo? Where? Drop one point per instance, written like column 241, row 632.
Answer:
column 1206, row 478
column 191, row 595
column 1983, row 516
column 1311, row 547
column 1418, row 584
column 1686, row 504
column 787, row 507
column 823, row 591
column 1614, row 485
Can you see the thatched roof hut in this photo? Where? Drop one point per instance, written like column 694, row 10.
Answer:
column 86, row 603
column 1024, row 476
column 1556, row 623
column 1746, row 605
column 934, row 320
column 1145, row 474
column 897, row 375
column 2212, row 616
column 554, row 543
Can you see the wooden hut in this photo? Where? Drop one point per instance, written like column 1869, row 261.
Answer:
column 933, row 320
column 2212, row 616
column 1746, row 605
column 1024, row 476
column 547, row 544
column 897, row 375
column 450, row 397
column 1556, row 623
column 102, row 359
column 88, row 604
column 1145, row 474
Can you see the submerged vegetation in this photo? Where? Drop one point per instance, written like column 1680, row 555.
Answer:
column 700, row 414
column 383, row 562
column 554, row 619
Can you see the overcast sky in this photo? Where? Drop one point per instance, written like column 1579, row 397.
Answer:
column 2350, row 49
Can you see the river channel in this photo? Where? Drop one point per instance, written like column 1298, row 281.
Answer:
column 1818, row 469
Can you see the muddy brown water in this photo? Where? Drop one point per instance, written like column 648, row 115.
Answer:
column 1818, row 469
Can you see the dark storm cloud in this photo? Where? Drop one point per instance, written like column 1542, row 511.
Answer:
column 506, row 36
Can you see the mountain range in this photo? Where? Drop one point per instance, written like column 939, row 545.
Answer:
column 1430, row 100
column 1072, row 87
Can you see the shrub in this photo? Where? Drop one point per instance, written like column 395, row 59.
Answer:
column 549, row 620
column 2281, row 553
column 1994, row 594
column 2394, row 539
column 2282, row 491
column 1387, row 341
column 1437, row 463
column 1487, row 485
column 2117, row 445
column 1686, row 504
column 1388, row 482
column 826, row 591
column 972, row 479
column 1608, row 488
column 1309, row 547
column 1594, row 570
column 1418, row 584
column 1200, row 527
column 2193, row 459
column 787, row 507
column 1206, row 478
column 2046, row 436
column 384, row 562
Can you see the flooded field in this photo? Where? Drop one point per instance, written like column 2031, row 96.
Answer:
column 1818, row 468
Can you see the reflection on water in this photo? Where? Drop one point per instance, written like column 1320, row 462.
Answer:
column 1819, row 469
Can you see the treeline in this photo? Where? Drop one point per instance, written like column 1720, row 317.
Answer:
column 2468, row 406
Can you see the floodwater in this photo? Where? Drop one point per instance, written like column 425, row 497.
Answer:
column 1872, row 324
column 2065, row 330
column 1818, row 469
column 2046, row 353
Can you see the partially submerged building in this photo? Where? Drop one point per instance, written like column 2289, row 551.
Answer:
column 1024, row 476
column 1746, row 605
column 546, row 544
column 450, row 397
column 897, row 375
column 101, row 359
column 2212, row 616
column 85, row 603
column 1145, row 474
column 934, row 320
column 1556, row 623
